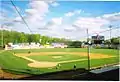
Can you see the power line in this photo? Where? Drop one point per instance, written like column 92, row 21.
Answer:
column 110, row 32
column 105, row 30
column 21, row 16
column 102, row 31
column 32, row 31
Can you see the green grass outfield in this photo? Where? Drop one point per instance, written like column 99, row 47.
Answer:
column 64, row 57
column 19, row 65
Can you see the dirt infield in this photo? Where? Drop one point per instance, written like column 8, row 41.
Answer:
column 56, row 57
column 41, row 64
column 92, row 55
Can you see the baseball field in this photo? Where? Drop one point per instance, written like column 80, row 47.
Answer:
column 39, row 61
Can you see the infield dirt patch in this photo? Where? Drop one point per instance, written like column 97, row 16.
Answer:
column 42, row 64
column 56, row 57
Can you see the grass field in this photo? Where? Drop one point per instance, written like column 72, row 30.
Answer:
column 63, row 57
column 67, row 58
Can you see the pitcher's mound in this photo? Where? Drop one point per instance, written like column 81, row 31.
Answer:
column 42, row 64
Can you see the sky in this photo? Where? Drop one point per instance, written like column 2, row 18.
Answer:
column 62, row 19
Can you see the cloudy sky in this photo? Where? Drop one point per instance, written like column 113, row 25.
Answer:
column 63, row 19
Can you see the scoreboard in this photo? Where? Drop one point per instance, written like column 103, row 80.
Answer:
column 97, row 39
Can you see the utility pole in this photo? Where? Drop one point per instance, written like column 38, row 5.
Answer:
column 2, row 35
column 110, row 32
column 119, row 42
column 110, row 35
column 88, row 50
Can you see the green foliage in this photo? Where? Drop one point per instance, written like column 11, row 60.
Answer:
column 74, row 44
column 112, row 43
column 21, row 37
column 115, row 40
column 1, row 48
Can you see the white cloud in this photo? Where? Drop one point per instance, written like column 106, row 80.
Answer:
column 69, row 14
column 109, row 15
column 36, row 12
column 49, row 1
column 53, row 23
column 57, row 21
column 40, row 6
column 31, row 11
column 78, row 11
column 55, row 4
column 13, row 10
column 69, row 28
column 72, row 13
column 57, row 26
column 92, row 23
column 4, row 15
column 18, row 19
column 34, row 16
column 112, row 17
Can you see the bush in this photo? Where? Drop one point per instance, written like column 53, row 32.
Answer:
column 75, row 44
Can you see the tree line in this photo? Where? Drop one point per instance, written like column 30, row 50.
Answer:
column 21, row 37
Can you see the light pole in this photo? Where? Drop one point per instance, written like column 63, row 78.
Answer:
column 2, row 36
column 110, row 34
column 88, row 50
column 2, row 32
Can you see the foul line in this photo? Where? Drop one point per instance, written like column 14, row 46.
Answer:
column 32, row 60
column 72, row 61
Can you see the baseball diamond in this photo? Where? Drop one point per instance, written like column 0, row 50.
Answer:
column 20, row 63
column 55, row 39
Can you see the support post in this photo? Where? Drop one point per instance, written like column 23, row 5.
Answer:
column 2, row 36
column 88, row 51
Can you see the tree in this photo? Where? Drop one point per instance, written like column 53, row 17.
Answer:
column 21, row 37
column 115, row 40
column 75, row 44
